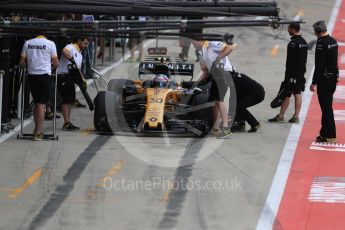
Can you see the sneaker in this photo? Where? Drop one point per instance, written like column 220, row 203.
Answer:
column 215, row 132
column 68, row 126
column 130, row 60
column 255, row 128
column 8, row 126
column 331, row 140
column 224, row 133
column 318, row 139
column 294, row 119
column 38, row 137
column 50, row 116
column 238, row 126
column 276, row 119
column 78, row 104
column 325, row 140
column 140, row 59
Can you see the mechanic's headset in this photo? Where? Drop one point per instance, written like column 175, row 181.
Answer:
column 320, row 27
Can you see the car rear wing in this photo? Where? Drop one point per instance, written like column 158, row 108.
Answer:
column 174, row 66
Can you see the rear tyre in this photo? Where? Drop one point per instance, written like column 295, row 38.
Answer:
column 100, row 115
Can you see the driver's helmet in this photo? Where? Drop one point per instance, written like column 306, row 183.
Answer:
column 160, row 80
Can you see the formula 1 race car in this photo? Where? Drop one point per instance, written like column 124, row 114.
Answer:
column 156, row 105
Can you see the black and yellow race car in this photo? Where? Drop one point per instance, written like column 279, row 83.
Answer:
column 155, row 105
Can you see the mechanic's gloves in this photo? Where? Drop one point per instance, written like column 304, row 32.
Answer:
column 53, row 71
column 194, row 91
column 80, row 81
column 73, row 62
column 73, row 68
column 197, row 91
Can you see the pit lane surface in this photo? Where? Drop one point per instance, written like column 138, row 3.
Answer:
column 60, row 185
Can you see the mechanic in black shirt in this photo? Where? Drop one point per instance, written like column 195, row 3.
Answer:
column 325, row 78
column 248, row 93
column 296, row 60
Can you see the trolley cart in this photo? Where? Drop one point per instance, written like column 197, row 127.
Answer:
column 22, row 135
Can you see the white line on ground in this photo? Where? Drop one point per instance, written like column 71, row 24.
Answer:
column 342, row 59
column 327, row 190
column 327, row 144
column 341, row 74
column 339, row 93
column 339, row 116
column 269, row 212
column 330, row 147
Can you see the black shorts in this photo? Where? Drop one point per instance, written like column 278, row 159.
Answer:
column 40, row 88
column 66, row 89
column 297, row 87
column 218, row 89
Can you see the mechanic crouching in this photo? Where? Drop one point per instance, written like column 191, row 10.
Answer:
column 70, row 63
column 248, row 93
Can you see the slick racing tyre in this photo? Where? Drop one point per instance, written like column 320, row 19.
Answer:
column 100, row 116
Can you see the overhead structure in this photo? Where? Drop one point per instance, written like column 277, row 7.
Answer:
column 149, row 29
column 233, row 14
column 146, row 8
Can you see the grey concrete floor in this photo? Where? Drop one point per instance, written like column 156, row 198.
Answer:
column 87, row 181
